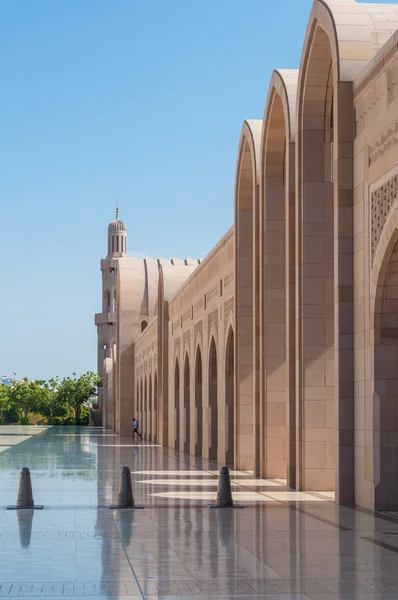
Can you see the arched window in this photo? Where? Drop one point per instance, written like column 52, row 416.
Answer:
column 213, row 401
column 198, row 402
column 229, row 397
column 155, row 408
column 187, row 407
column 150, row 410
column 177, row 405
column 144, row 325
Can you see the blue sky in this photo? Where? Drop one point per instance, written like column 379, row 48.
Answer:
column 140, row 99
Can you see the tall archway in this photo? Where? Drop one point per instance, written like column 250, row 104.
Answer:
column 155, row 410
column 150, row 409
column 229, row 398
column 213, row 401
column 187, row 406
column 315, row 257
column 177, row 405
column 277, row 273
column 198, row 403
column 384, row 336
column 247, row 297
column 140, row 411
column 145, row 412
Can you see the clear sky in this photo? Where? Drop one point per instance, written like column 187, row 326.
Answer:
column 140, row 99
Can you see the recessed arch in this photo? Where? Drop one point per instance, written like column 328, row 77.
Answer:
column 277, row 279
column 177, row 404
column 247, row 295
column 145, row 412
column 155, row 409
column 141, row 403
column 150, row 409
column 187, row 404
column 213, row 400
column 198, row 402
column 315, row 286
column 324, row 283
column 384, row 365
column 137, row 401
column 229, row 397
column 384, row 343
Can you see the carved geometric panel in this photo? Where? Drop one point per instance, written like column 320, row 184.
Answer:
column 229, row 311
column 198, row 330
column 382, row 200
column 212, row 319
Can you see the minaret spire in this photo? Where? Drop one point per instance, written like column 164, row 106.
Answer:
column 117, row 208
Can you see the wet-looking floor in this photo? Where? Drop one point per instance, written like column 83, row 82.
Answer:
column 280, row 545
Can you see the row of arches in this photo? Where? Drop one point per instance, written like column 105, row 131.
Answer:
column 190, row 415
column 294, row 269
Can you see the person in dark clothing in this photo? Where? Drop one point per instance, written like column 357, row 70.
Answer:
column 135, row 428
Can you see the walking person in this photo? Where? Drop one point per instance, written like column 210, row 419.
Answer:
column 135, row 428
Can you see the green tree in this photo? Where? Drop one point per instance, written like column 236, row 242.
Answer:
column 5, row 401
column 78, row 392
column 50, row 404
column 26, row 396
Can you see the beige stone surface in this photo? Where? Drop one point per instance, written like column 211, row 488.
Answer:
column 278, row 353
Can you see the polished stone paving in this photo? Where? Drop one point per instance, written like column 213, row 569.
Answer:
column 283, row 545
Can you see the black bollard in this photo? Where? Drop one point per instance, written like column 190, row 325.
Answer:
column 224, row 494
column 25, row 494
column 125, row 497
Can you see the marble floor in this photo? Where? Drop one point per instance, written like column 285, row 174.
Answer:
column 282, row 545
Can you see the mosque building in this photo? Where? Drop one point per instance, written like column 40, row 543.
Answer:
column 278, row 352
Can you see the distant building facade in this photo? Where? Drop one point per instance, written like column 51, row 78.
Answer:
column 278, row 353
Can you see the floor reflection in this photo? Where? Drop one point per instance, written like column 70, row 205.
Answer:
column 282, row 545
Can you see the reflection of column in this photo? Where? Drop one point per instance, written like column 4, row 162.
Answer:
column 107, row 486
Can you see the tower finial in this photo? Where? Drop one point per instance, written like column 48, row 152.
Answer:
column 117, row 208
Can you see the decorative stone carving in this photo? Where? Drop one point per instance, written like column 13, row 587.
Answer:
column 376, row 70
column 177, row 345
column 198, row 330
column 186, row 339
column 212, row 321
column 382, row 200
column 384, row 143
column 229, row 279
column 229, row 311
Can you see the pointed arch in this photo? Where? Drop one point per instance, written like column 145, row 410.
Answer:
column 198, row 402
column 384, row 376
column 277, row 277
column 150, row 408
column 247, row 294
column 315, row 283
column 213, row 400
column 145, row 412
column 155, row 409
column 177, row 404
column 141, row 402
column 229, row 397
column 324, row 191
column 187, row 404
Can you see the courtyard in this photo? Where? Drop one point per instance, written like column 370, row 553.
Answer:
column 281, row 545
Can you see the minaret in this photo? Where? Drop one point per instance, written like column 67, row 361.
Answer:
column 117, row 238
column 106, row 320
